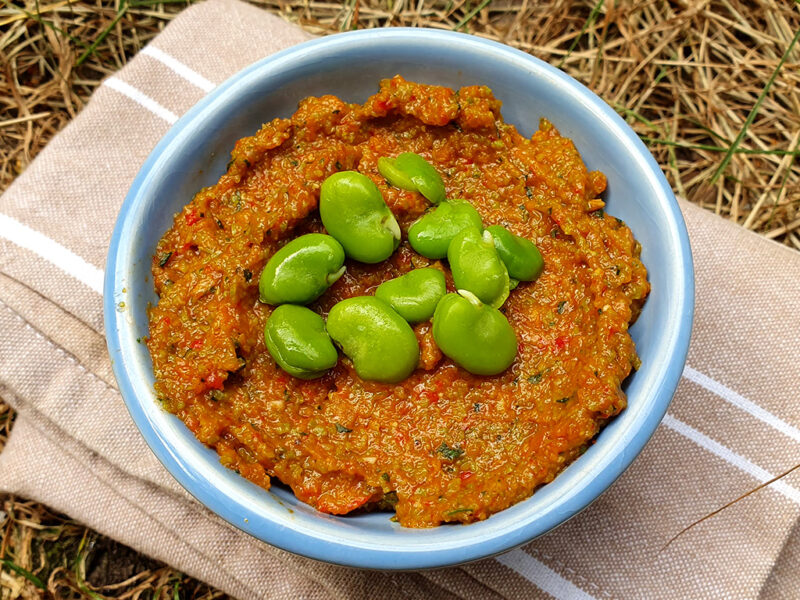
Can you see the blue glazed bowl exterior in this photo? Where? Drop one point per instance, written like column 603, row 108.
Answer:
column 193, row 154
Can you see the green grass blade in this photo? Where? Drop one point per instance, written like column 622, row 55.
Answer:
column 37, row 16
column 709, row 148
column 471, row 14
column 754, row 111
column 628, row 112
column 90, row 593
column 709, row 131
column 351, row 6
column 90, row 50
column 589, row 22
column 24, row 572
column 141, row 3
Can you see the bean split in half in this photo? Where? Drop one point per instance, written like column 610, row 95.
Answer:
column 474, row 335
column 431, row 234
column 411, row 172
column 354, row 212
column 302, row 270
column 297, row 340
column 414, row 296
column 476, row 266
column 380, row 343
column 521, row 256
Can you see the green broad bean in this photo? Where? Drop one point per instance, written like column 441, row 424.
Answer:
column 297, row 340
column 411, row 172
column 380, row 343
column 521, row 256
column 430, row 235
column 414, row 296
column 474, row 335
column 302, row 270
column 353, row 211
column 477, row 267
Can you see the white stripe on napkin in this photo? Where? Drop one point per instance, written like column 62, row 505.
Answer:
column 53, row 252
column 741, row 402
column 180, row 68
column 140, row 98
column 730, row 457
column 542, row 576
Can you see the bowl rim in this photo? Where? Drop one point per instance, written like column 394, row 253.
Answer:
column 338, row 551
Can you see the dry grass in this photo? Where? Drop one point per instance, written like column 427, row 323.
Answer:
column 701, row 82
column 711, row 87
column 47, row 555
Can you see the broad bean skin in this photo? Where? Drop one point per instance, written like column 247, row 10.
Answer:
column 297, row 340
column 477, row 267
column 431, row 234
column 379, row 342
column 474, row 335
column 521, row 256
column 411, row 172
column 302, row 270
column 354, row 212
column 414, row 296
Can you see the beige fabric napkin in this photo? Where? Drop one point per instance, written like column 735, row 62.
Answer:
column 734, row 424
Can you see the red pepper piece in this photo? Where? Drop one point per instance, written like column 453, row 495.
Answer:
column 191, row 217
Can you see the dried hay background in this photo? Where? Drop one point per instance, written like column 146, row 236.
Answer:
column 711, row 87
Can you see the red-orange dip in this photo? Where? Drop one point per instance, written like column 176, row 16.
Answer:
column 443, row 445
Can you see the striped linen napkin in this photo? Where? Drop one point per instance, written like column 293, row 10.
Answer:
column 734, row 424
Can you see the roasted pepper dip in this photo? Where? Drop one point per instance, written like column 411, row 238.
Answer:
column 442, row 445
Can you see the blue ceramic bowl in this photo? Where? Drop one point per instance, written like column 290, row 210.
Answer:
column 194, row 153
